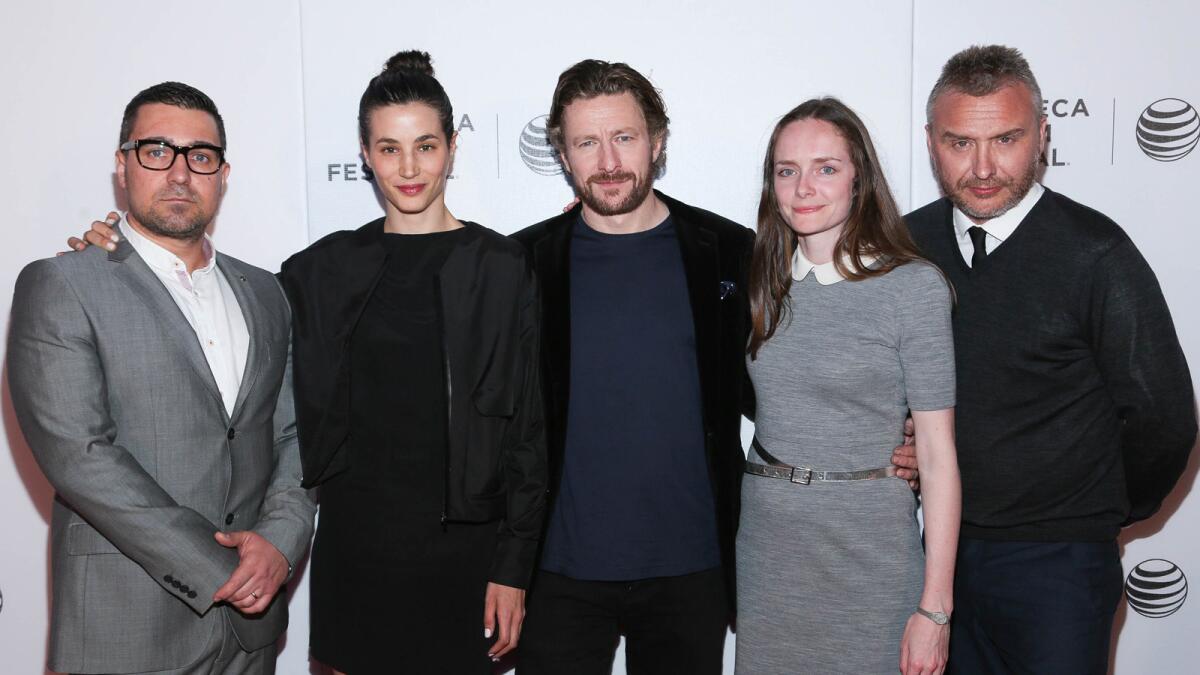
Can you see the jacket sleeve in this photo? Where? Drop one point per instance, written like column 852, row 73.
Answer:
column 1146, row 374
column 524, row 455
column 60, row 398
column 286, row 516
column 749, row 403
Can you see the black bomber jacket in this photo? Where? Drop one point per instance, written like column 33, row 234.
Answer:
column 496, row 454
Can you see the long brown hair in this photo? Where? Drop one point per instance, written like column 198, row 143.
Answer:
column 874, row 227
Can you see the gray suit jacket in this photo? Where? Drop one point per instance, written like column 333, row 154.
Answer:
column 119, row 406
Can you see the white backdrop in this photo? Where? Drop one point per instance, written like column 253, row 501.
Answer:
column 287, row 75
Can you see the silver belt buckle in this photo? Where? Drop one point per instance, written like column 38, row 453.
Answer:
column 801, row 476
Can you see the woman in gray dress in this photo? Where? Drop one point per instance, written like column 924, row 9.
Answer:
column 851, row 333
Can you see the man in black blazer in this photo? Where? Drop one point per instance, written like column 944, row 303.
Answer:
column 1075, row 411
column 644, row 327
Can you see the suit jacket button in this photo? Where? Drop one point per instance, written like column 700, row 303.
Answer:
column 231, row 433
column 176, row 583
column 229, row 519
column 191, row 594
column 184, row 589
column 169, row 579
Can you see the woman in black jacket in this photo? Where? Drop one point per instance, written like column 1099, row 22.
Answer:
column 419, row 413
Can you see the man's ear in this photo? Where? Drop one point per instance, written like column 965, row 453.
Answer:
column 120, row 169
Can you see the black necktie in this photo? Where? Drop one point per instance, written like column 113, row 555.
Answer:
column 979, row 241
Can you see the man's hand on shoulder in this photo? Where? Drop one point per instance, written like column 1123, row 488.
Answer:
column 259, row 575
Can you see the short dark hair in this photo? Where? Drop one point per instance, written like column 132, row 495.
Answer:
column 591, row 78
column 981, row 70
column 176, row 94
column 407, row 77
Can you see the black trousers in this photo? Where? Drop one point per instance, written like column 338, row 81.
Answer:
column 670, row 624
column 1034, row 607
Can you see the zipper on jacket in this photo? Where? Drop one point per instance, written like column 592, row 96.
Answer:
column 437, row 293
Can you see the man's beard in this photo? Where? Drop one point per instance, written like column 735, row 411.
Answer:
column 1018, row 188
column 162, row 220
column 637, row 193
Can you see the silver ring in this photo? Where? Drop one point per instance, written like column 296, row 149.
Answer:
column 254, row 594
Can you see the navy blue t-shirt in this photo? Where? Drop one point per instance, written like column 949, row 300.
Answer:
column 635, row 500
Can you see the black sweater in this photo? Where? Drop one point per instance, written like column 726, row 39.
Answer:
column 1075, row 409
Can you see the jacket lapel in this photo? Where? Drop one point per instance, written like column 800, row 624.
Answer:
column 251, row 309
column 702, row 266
column 148, row 289
column 551, row 258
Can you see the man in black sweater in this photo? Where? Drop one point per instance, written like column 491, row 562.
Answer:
column 1075, row 409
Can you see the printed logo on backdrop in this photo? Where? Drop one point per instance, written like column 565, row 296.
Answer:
column 536, row 150
column 354, row 171
column 1156, row 588
column 1168, row 129
column 1059, row 109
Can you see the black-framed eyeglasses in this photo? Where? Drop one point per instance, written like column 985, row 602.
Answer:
column 158, row 155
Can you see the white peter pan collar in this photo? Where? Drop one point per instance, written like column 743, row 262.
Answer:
column 826, row 273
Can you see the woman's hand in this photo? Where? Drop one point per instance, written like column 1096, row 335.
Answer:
column 503, row 612
column 925, row 647
column 101, row 234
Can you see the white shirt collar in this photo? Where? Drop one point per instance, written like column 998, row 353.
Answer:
column 1002, row 226
column 161, row 259
column 826, row 273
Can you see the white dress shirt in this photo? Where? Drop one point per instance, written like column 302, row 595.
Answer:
column 999, row 228
column 208, row 304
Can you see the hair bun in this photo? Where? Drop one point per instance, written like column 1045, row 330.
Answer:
column 411, row 60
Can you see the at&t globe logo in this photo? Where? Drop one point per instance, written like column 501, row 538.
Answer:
column 536, row 149
column 1156, row 588
column 1168, row 129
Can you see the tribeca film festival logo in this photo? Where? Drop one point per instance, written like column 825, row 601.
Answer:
column 1168, row 129
column 1156, row 588
column 536, row 149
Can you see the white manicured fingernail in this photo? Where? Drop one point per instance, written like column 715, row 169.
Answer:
column 487, row 632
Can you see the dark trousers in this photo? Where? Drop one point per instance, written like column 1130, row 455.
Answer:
column 670, row 624
column 1033, row 607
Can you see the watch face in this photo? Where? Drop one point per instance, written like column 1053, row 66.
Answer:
column 940, row 618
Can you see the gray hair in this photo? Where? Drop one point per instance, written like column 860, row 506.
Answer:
column 981, row 70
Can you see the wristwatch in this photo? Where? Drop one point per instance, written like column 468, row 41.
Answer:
column 940, row 618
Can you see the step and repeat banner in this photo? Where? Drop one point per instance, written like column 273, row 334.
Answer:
column 287, row 75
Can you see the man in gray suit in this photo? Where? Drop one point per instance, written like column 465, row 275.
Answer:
column 153, row 385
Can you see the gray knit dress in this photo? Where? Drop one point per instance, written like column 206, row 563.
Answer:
column 829, row 573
